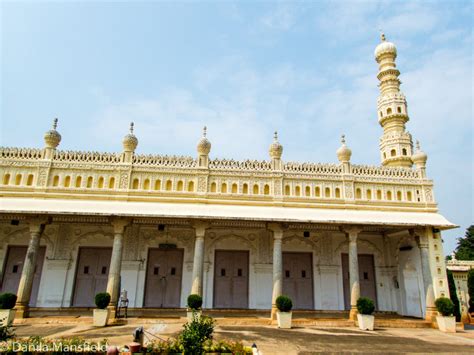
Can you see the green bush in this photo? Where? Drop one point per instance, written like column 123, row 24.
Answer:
column 102, row 300
column 194, row 302
column 365, row 306
column 7, row 300
column 195, row 333
column 284, row 303
column 6, row 332
column 444, row 306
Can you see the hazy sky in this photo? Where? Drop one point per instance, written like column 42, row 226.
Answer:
column 244, row 69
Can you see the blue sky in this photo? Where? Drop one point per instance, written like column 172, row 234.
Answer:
column 244, row 69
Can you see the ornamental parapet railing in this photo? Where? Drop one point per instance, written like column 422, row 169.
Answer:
column 164, row 161
column 377, row 171
column 248, row 165
column 21, row 153
column 316, row 168
column 87, row 157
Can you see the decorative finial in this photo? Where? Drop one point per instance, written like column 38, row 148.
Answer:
column 382, row 36
column 343, row 139
column 131, row 127
column 55, row 123
column 204, row 132
column 275, row 136
column 418, row 145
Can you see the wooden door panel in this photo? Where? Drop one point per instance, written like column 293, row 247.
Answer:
column 298, row 279
column 92, row 272
column 367, row 280
column 14, row 266
column 164, row 277
column 231, row 277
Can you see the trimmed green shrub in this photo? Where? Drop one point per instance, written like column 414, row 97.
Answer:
column 444, row 306
column 284, row 303
column 194, row 302
column 102, row 300
column 7, row 300
column 365, row 306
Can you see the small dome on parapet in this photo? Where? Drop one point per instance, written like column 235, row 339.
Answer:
column 276, row 149
column 420, row 157
column 130, row 141
column 385, row 47
column 344, row 153
column 204, row 146
column 52, row 137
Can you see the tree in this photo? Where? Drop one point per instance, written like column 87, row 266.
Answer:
column 465, row 247
column 454, row 296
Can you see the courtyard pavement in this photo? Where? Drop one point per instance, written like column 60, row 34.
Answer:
column 270, row 340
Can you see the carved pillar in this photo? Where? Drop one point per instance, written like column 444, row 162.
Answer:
column 198, row 263
column 277, row 265
column 113, row 282
column 354, row 285
column 423, row 245
column 36, row 227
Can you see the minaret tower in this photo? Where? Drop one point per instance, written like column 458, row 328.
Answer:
column 396, row 145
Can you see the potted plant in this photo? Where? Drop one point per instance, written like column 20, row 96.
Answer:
column 365, row 308
column 101, row 313
column 7, row 313
column 194, row 306
column 284, row 305
column 446, row 321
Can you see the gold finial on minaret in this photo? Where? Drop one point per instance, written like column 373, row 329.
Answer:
column 204, row 145
column 52, row 137
column 382, row 36
column 204, row 132
column 276, row 149
column 130, row 141
column 343, row 153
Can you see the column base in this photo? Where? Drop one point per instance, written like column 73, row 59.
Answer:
column 273, row 315
column 353, row 313
column 22, row 311
column 431, row 314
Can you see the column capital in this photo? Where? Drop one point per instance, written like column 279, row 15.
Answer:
column 37, row 224
column 277, row 229
column 420, row 238
column 200, row 228
column 119, row 224
column 352, row 231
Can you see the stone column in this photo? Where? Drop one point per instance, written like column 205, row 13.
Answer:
column 354, row 285
column 277, row 266
column 113, row 282
column 36, row 227
column 198, row 262
column 423, row 245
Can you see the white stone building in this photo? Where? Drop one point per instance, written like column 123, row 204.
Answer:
column 239, row 233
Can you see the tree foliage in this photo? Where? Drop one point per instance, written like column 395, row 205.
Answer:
column 465, row 247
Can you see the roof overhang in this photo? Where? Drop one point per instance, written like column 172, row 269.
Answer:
column 222, row 212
